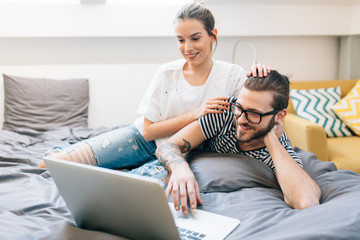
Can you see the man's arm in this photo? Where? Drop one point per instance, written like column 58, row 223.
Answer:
column 299, row 189
column 182, row 181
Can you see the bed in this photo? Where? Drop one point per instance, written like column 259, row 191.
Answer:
column 233, row 185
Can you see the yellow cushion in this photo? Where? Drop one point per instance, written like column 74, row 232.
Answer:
column 344, row 152
column 307, row 135
column 348, row 109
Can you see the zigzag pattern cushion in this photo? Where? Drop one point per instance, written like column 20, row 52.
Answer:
column 315, row 105
column 348, row 109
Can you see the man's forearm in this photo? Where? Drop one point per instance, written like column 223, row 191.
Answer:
column 169, row 154
column 300, row 190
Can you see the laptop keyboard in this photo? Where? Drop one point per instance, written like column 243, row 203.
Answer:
column 186, row 234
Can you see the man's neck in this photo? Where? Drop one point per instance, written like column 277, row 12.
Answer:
column 252, row 145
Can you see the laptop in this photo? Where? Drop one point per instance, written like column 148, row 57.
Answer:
column 130, row 205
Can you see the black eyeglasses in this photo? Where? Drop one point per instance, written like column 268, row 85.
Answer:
column 251, row 116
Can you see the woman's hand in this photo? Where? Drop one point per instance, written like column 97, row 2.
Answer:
column 260, row 69
column 215, row 105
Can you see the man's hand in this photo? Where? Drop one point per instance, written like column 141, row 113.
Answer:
column 275, row 133
column 182, row 181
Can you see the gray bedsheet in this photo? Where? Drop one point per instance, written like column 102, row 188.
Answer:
column 244, row 188
column 32, row 208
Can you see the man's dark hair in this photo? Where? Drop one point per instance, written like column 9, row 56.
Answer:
column 277, row 83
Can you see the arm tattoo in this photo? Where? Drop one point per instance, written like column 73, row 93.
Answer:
column 169, row 153
column 186, row 147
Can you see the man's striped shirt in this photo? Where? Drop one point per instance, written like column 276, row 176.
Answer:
column 220, row 132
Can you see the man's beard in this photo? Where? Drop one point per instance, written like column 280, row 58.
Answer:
column 257, row 134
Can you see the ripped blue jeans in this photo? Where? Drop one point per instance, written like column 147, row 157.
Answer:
column 125, row 148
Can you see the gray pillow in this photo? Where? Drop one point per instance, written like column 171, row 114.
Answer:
column 43, row 104
column 313, row 166
column 226, row 172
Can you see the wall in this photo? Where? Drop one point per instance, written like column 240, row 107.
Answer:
column 304, row 57
column 234, row 17
column 297, row 37
column 349, row 59
column 115, row 89
column 300, row 38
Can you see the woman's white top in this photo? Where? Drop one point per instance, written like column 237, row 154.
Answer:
column 170, row 95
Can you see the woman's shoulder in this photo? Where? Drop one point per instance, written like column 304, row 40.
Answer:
column 172, row 66
column 168, row 73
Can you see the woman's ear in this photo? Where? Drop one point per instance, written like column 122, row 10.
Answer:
column 214, row 31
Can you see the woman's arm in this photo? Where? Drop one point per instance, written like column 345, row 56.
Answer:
column 165, row 128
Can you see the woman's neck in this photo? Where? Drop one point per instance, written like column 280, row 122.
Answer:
column 196, row 75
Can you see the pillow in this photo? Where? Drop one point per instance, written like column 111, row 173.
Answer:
column 226, row 172
column 348, row 109
column 315, row 105
column 312, row 165
column 43, row 104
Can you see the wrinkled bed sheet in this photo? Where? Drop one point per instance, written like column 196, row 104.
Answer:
column 30, row 204
column 241, row 187
column 233, row 185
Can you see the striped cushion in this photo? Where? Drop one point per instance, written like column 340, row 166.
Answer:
column 315, row 105
column 348, row 109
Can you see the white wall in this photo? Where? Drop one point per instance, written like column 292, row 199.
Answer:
column 356, row 20
column 299, row 38
column 236, row 18
column 304, row 57
column 301, row 57
column 120, row 69
column 115, row 90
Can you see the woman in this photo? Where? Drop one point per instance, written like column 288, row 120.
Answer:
column 181, row 92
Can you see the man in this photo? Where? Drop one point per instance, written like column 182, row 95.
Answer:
column 253, row 126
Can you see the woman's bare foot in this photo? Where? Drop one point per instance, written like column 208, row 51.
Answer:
column 57, row 155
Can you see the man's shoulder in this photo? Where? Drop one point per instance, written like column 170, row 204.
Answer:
column 232, row 99
column 216, row 125
column 284, row 139
column 217, row 118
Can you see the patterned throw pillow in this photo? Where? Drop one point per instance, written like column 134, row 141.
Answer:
column 348, row 109
column 315, row 105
